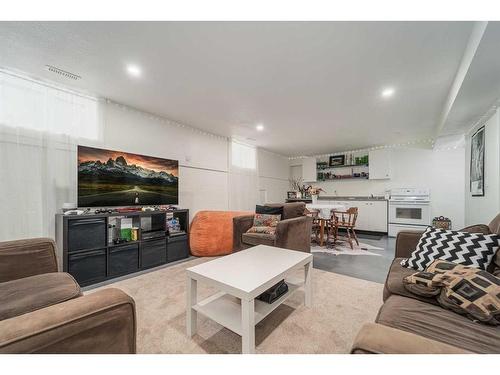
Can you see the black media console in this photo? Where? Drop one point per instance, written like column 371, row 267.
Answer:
column 94, row 250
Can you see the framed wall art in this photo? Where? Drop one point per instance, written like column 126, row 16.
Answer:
column 477, row 164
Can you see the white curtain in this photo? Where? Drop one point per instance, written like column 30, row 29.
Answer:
column 40, row 126
column 243, row 177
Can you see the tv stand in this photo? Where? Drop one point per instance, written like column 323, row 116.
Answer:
column 90, row 250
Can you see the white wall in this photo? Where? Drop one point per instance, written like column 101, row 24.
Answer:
column 439, row 170
column 273, row 177
column 203, row 160
column 484, row 209
column 204, row 180
column 38, row 169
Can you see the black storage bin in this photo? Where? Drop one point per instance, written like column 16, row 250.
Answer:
column 88, row 266
column 123, row 259
column 177, row 248
column 89, row 233
column 153, row 253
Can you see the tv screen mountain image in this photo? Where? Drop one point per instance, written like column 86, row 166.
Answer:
column 114, row 178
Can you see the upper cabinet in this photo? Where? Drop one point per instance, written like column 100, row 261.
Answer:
column 309, row 170
column 380, row 164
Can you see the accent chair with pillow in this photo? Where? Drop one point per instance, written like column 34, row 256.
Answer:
column 415, row 320
column 292, row 231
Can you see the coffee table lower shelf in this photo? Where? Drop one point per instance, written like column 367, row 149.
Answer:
column 226, row 309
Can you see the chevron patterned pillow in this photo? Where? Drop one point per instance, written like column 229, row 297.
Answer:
column 469, row 249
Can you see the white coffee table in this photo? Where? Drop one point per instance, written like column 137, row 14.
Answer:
column 244, row 275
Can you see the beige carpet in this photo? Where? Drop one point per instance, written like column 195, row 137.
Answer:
column 341, row 305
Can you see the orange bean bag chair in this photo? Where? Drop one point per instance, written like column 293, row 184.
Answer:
column 211, row 232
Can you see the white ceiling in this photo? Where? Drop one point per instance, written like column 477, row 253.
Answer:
column 481, row 87
column 314, row 85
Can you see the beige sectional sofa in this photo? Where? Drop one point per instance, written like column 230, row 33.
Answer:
column 407, row 323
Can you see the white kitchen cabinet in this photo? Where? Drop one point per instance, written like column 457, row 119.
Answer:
column 309, row 173
column 379, row 164
column 363, row 220
column 372, row 215
column 377, row 216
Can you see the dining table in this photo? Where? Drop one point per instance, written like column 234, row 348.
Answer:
column 324, row 214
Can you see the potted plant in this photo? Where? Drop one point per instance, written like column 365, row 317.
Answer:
column 297, row 184
column 314, row 193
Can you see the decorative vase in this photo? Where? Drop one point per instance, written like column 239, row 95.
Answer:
column 299, row 195
column 314, row 198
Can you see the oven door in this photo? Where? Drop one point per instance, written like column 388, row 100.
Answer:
column 414, row 213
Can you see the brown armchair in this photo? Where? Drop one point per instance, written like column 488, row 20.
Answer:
column 293, row 232
column 44, row 311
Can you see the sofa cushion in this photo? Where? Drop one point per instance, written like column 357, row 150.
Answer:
column 495, row 264
column 438, row 324
column 32, row 293
column 290, row 210
column 394, row 282
column 258, row 239
column 469, row 249
column 494, row 226
column 266, row 230
column 293, row 210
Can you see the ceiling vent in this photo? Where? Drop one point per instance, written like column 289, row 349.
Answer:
column 63, row 73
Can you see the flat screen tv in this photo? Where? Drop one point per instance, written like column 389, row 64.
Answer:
column 109, row 178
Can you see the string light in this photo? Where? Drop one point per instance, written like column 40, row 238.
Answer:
column 373, row 148
column 486, row 116
column 482, row 119
column 163, row 120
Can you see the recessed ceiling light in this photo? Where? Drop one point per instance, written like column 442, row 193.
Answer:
column 134, row 70
column 259, row 127
column 387, row 92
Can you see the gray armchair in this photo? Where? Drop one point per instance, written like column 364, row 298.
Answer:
column 293, row 232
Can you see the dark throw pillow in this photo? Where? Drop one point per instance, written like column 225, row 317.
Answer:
column 267, row 210
column 469, row 249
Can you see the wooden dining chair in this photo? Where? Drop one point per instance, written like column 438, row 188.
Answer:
column 314, row 214
column 344, row 220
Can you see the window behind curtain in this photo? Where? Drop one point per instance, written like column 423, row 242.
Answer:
column 243, row 156
column 28, row 105
column 40, row 126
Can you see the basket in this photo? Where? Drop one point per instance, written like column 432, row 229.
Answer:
column 441, row 222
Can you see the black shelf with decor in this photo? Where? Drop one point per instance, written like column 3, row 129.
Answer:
column 323, row 168
column 98, row 247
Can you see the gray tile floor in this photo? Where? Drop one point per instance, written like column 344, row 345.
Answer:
column 371, row 268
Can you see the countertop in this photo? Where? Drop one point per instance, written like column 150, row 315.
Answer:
column 350, row 198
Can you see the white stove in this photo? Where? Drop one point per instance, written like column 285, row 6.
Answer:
column 409, row 209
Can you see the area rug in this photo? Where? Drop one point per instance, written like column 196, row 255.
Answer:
column 342, row 247
column 341, row 305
